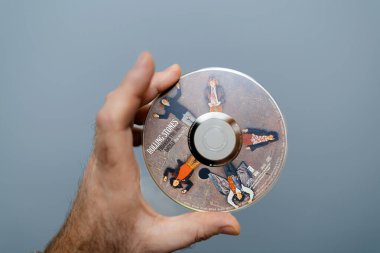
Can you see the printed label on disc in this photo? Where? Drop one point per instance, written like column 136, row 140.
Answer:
column 234, row 155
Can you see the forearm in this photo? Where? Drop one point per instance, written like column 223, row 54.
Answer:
column 88, row 227
column 76, row 235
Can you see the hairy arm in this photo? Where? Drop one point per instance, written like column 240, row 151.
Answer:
column 109, row 213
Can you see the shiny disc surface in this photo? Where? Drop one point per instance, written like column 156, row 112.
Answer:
column 249, row 146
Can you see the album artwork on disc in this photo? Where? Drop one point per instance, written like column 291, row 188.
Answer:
column 216, row 141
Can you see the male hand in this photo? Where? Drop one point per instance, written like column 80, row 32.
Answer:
column 109, row 213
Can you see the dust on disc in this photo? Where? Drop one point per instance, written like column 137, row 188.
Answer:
column 235, row 181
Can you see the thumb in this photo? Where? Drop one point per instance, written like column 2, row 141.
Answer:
column 184, row 230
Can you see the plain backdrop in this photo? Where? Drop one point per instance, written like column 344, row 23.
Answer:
column 318, row 59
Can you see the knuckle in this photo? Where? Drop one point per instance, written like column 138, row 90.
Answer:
column 105, row 119
column 101, row 118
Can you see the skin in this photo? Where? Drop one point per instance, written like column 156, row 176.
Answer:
column 175, row 183
column 165, row 102
column 109, row 213
column 240, row 196
column 212, row 83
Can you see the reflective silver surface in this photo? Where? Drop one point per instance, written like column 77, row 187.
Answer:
column 195, row 181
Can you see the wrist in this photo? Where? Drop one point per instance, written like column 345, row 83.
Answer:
column 78, row 231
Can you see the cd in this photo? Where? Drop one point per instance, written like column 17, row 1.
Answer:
column 216, row 141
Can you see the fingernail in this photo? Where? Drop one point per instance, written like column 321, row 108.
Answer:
column 229, row 230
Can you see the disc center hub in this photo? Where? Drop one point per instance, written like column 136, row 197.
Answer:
column 214, row 139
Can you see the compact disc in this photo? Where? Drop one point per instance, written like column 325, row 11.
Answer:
column 216, row 141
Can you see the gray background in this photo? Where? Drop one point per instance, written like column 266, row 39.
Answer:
column 319, row 60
